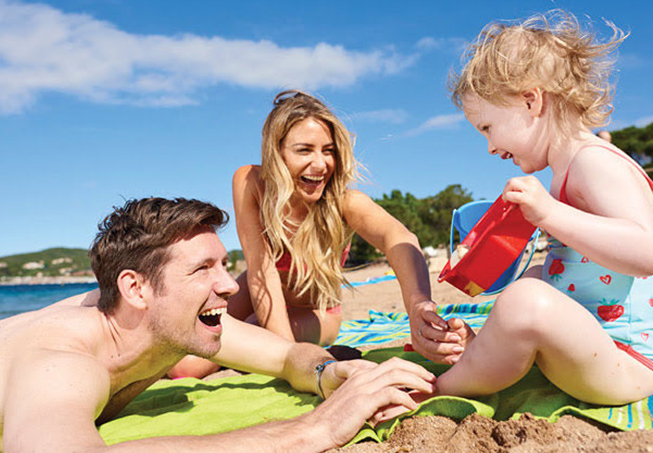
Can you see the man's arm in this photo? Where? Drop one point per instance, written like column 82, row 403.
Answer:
column 53, row 398
column 257, row 350
column 254, row 349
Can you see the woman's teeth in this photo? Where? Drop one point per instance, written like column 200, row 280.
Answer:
column 212, row 317
column 313, row 179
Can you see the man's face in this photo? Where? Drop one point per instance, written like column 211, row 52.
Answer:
column 186, row 313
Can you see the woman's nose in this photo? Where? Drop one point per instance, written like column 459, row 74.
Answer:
column 319, row 162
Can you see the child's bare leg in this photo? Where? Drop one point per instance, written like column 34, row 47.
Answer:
column 533, row 322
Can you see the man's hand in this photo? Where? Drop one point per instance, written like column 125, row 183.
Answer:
column 435, row 338
column 368, row 389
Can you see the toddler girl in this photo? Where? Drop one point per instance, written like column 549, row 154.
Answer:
column 535, row 90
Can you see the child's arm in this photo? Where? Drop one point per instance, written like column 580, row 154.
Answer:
column 610, row 219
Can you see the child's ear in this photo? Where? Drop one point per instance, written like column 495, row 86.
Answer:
column 132, row 288
column 534, row 101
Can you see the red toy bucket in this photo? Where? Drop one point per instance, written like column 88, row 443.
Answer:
column 493, row 244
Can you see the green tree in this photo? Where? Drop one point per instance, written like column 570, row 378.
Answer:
column 428, row 218
column 637, row 142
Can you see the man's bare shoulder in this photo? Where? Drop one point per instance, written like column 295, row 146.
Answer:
column 48, row 360
column 69, row 329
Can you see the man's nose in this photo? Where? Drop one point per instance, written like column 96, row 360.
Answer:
column 225, row 284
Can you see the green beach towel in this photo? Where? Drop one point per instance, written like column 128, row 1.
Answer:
column 194, row 407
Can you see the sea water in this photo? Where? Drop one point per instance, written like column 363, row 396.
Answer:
column 16, row 299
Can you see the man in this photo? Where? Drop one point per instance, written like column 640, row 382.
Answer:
column 163, row 293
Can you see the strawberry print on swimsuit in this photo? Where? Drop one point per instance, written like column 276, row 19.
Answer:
column 556, row 269
column 610, row 311
column 622, row 304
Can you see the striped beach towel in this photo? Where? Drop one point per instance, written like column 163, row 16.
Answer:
column 382, row 327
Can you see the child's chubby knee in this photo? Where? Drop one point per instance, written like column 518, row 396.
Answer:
column 528, row 300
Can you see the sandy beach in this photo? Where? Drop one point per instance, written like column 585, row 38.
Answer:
column 476, row 433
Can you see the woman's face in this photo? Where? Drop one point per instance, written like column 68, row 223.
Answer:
column 309, row 153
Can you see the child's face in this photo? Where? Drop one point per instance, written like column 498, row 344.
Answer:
column 511, row 131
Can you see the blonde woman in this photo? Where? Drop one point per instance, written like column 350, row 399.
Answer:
column 296, row 214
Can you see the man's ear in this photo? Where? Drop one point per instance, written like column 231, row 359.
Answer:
column 534, row 101
column 131, row 286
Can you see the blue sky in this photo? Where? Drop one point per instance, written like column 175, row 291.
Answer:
column 106, row 100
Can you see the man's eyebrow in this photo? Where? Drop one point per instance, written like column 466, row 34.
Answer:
column 200, row 261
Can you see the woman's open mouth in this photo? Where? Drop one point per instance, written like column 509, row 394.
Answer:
column 312, row 180
column 212, row 317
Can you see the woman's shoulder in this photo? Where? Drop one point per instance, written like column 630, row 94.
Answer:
column 248, row 171
column 247, row 182
column 247, row 175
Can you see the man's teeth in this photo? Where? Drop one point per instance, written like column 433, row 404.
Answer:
column 214, row 311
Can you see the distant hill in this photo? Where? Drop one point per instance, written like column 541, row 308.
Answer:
column 54, row 262
column 58, row 262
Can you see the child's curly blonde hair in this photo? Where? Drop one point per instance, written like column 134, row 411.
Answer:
column 549, row 51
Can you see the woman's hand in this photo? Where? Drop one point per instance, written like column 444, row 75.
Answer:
column 435, row 338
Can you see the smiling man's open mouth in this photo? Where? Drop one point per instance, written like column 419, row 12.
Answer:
column 212, row 317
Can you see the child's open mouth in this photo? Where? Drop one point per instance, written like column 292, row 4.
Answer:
column 212, row 317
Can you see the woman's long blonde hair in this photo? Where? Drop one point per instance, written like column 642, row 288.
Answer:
column 317, row 243
column 549, row 51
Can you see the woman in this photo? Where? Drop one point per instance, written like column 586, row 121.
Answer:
column 295, row 216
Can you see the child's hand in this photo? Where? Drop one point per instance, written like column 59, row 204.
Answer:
column 465, row 333
column 533, row 199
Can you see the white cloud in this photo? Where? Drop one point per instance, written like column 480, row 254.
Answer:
column 393, row 116
column 428, row 43
column 44, row 49
column 438, row 122
column 645, row 121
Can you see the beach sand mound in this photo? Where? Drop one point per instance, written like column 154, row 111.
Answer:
column 483, row 435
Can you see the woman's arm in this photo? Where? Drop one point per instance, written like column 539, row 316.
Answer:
column 263, row 278
column 404, row 254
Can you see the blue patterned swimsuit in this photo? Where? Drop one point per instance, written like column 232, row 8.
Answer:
column 622, row 304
